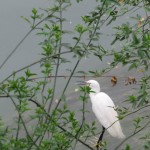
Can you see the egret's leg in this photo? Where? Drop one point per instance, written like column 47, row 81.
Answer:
column 100, row 138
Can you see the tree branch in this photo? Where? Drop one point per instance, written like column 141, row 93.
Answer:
column 63, row 129
column 22, row 40
column 116, row 148
column 22, row 121
column 32, row 64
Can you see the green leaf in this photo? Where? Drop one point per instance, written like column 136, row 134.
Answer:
column 34, row 11
column 26, row 19
column 140, row 53
column 76, row 38
column 127, row 147
column 78, row 1
column 133, row 66
column 29, row 73
column 135, row 39
column 80, row 29
column 147, row 8
column 147, row 146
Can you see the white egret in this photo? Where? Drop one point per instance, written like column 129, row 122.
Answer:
column 104, row 109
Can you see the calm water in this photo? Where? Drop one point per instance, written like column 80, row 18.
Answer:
column 13, row 28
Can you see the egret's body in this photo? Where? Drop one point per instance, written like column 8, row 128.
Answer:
column 104, row 109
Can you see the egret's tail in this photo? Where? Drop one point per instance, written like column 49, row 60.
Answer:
column 116, row 131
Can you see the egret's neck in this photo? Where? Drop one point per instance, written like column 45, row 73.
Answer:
column 92, row 95
column 94, row 92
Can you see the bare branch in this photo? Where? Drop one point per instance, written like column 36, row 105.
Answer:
column 22, row 40
column 132, row 135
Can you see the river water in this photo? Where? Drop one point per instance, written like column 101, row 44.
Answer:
column 13, row 28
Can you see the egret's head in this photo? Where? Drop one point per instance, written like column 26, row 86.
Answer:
column 94, row 85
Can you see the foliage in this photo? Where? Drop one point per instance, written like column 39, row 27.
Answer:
column 43, row 123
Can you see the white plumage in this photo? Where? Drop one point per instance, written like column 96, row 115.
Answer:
column 103, row 108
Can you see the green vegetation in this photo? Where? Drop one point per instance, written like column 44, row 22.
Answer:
column 43, row 124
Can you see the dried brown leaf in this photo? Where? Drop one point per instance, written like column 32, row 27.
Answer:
column 113, row 80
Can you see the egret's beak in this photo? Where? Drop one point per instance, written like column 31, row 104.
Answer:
column 81, row 83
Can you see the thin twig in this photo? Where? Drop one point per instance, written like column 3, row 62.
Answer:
column 79, row 59
column 83, row 119
column 60, row 127
column 124, row 117
column 58, row 59
column 18, row 128
column 132, row 135
column 22, row 40
column 56, row 72
column 32, row 64
column 23, row 123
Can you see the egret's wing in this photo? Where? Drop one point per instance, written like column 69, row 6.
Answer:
column 103, row 107
column 105, row 99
